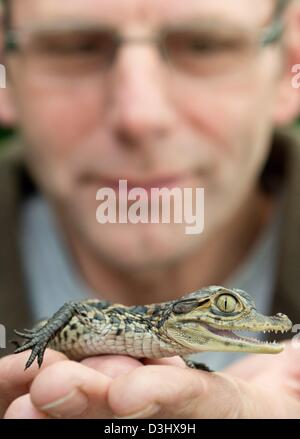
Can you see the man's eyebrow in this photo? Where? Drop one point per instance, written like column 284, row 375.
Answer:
column 211, row 24
column 205, row 22
column 215, row 19
column 64, row 25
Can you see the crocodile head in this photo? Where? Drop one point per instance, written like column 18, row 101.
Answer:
column 209, row 319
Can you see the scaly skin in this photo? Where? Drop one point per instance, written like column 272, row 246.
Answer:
column 200, row 321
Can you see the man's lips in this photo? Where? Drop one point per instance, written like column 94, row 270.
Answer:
column 147, row 184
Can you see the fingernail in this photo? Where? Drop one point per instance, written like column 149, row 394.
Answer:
column 73, row 404
column 146, row 412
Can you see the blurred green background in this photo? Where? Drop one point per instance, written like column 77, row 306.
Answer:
column 5, row 133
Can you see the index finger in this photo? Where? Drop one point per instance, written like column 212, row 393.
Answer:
column 14, row 381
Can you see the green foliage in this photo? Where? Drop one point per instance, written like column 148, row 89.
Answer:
column 5, row 133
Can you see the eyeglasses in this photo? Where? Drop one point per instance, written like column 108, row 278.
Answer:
column 201, row 50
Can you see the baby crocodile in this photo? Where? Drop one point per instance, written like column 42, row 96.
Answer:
column 201, row 321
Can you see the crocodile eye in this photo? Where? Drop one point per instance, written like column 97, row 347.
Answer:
column 226, row 303
column 184, row 307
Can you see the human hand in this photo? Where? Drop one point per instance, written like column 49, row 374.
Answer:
column 113, row 386
column 76, row 389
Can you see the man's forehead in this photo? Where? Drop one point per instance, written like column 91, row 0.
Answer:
column 143, row 11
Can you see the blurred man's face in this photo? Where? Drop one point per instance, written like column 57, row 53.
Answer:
column 205, row 125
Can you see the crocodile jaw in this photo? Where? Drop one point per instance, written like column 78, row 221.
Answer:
column 203, row 336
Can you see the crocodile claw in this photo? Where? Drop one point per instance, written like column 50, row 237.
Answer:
column 39, row 337
column 37, row 343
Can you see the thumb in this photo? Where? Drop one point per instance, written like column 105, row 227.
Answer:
column 172, row 392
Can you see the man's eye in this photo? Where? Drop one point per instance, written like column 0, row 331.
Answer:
column 205, row 46
column 195, row 44
column 71, row 45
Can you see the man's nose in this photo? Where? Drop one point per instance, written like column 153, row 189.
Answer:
column 141, row 107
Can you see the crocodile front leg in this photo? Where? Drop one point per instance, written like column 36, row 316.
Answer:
column 195, row 365
column 39, row 337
